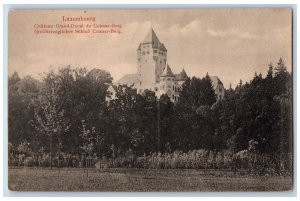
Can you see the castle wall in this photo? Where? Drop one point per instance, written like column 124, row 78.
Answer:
column 169, row 86
column 220, row 92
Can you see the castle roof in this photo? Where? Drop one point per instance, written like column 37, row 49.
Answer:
column 215, row 81
column 153, row 39
column 129, row 79
column 167, row 71
column 183, row 73
column 181, row 76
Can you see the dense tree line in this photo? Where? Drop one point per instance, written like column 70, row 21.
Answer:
column 67, row 111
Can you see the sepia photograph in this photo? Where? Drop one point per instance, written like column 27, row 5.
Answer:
column 150, row 100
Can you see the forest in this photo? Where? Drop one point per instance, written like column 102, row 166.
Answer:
column 64, row 118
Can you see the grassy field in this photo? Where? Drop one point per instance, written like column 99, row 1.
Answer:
column 140, row 180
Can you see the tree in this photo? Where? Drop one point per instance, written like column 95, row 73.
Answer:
column 50, row 120
column 122, row 116
column 282, row 79
column 240, row 83
column 270, row 71
column 13, row 80
column 197, row 92
column 280, row 68
column 100, row 137
column 89, row 136
column 165, row 121
column 148, row 122
column 81, row 94
column 22, row 100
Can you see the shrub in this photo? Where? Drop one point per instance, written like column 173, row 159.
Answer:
column 128, row 160
column 29, row 162
column 21, row 159
column 13, row 161
column 24, row 148
column 140, row 162
column 45, row 161
column 243, row 162
column 74, row 161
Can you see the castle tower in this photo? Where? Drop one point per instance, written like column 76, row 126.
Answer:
column 154, row 73
column 151, row 60
column 182, row 76
column 168, row 84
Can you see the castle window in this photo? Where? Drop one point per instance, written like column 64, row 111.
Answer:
column 147, row 52
column 140, row 82
column 146, row 60
column 154, row 51
column 169, row 79
column 143, row 53
column 173, row 88
column 156, row 89
column 220, row 90
column 139, row 59
column 160, row 62
column 173, row 96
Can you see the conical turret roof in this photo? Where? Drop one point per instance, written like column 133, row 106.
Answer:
column 183, row 74
column 167, row 71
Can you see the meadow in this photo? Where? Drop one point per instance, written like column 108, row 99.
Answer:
column 141, row 180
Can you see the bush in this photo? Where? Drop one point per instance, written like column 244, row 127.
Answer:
column 21, row 159
column 128, row 160
column 24, row 148
column 13, row 161
column 29, row 162
column 74, row 161
column 140, row 162
column 45, row 161
column 244, row 162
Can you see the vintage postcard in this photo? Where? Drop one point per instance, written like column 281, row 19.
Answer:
column 148, row 100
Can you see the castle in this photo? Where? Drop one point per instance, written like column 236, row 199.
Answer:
column 155, row 74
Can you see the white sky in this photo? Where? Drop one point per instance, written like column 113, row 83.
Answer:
column 232, row 44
